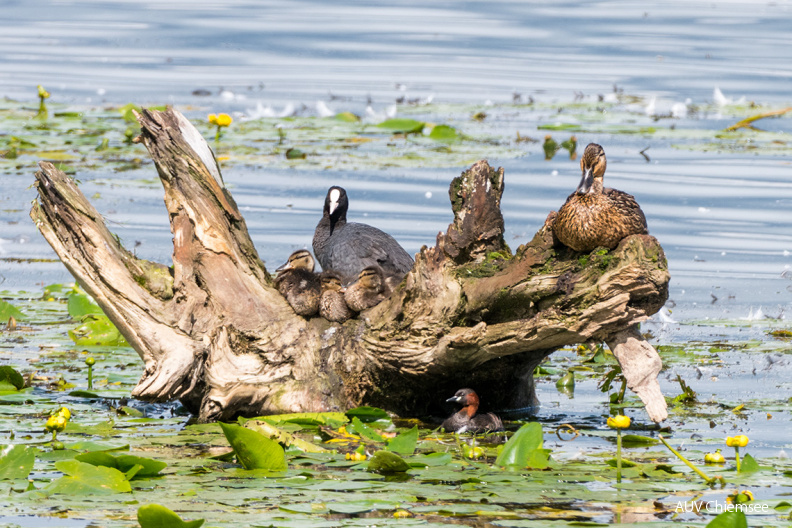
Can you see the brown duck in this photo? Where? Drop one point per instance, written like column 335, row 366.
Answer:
column 332, row 305
column 368, row 290
column 594, row 216
column 466, row 420
column 298, row 283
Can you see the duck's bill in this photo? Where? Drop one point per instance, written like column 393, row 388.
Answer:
column 585, row 182
column 454, row 399
column 283, row 267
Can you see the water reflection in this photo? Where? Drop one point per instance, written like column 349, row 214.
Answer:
column 723, row 218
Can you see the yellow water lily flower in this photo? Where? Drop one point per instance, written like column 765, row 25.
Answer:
column 714, row 458
column 55, row 423
column 737, row 441
column 619, row 422
column 223, row 120
column 65, row 412
column 356, row 457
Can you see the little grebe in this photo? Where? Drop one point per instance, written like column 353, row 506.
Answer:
column 466, row 420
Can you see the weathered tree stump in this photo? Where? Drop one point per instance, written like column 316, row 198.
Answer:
column 214, row 332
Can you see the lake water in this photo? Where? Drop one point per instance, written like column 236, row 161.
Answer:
column 724, row 219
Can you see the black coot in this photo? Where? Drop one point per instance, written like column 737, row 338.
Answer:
column 349, row 248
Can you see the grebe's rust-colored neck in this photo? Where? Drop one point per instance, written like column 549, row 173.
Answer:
column 471, row 404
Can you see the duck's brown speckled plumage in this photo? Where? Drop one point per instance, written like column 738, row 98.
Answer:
column 298, row 283
column 466, row 420
column 594, row 216
column 368, row 290
column 332, row 305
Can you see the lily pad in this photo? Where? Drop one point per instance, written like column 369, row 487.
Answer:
column 729, row 519
column 403, row 126
column 8, row 310
column 10, row 379
column 748, row 464
column 444, row 133
column 368, row 414
column 386, row 462
column 405, row 442
column 156, row 516
column 80, row 305
column 87, row 479
column 97, row 330
column 524, row 449
column 124, row 463
column 254, row 450
column 365, row 431
column 16, row 461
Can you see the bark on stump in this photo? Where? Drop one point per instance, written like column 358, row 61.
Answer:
column 214, row 332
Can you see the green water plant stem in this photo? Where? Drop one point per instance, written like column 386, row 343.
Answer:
column 708, row 479
column 222, row 121
column 43, row 95
column 619, row 422
column 618, row 455
column 747, row 122
column 90, row 362
column 737, row 442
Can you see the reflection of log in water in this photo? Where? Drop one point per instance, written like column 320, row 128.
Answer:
column 215, row 333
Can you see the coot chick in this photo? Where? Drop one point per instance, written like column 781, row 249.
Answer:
column 332, row 305
column 369, row 290
column 594, row 216
column 466, row 420
column 348, row 248
column 298, row 283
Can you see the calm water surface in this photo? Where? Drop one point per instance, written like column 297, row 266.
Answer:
column 723, row 219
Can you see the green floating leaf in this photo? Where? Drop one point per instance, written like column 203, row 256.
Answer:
column 10, row 379
column 127, row 113
column 80, row 305
column 84, row 394
column 524, row 449
column 368, row 414
column 254, row 450
column 364, row 430
column 295, row 153
column 404, row 443
column 16, row 461
column 8, row 310
column 97, row 330
column 124, row 463
column 282, row 437
column 347, row 117
column 52, row 288
column 403, row 126
column 89, row 445
column 729, row 519
column 331, row 419
column 748, row 464
column 567, row 381
column 386, row 462
column 444, row 133
column 430, row 460
column 631, row 440
column 156, row 516
column 559, row 126
column 86, row 479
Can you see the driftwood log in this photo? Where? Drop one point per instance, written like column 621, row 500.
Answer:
column 214, row 332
